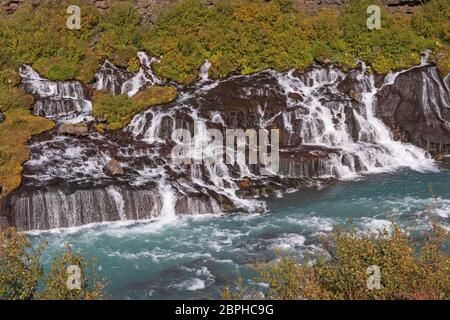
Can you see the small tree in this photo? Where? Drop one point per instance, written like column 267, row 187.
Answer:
column 68, row 281
column 21, row 272
column 20, row 267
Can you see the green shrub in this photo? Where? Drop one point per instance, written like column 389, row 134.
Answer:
column 409, row 269
column 235, row 35
column 21, row 272
column 39, row 36
column 15, row 131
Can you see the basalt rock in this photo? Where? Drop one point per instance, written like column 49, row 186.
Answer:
column 113, row 168
column 417, row 108
column 77, row 129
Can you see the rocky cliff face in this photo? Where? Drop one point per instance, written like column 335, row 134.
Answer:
column 417, row 108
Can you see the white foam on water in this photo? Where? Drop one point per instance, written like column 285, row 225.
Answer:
column 118, row 200
column 373, row 225
column 288, row 242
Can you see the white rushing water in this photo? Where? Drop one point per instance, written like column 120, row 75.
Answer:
column 121, row 81
column 143, row 78
column 340, row 132
column 325, row 124
column 64, row 101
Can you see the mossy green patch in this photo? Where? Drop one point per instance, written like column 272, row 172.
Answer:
column 118, row 110
column 18, row 128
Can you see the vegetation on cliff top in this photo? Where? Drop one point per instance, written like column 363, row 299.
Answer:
column 118, row 110
column 236, row 35
column 409, row 269
column 249, row 36
column 22, row 275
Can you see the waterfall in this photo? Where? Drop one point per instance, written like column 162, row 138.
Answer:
column 58, row 100
column 204, row 71
column 328, row 130
column 120, row 203
column 120, row 81
column 325, row 122
column 110, row 78
column 143, row 78
column 168, row 200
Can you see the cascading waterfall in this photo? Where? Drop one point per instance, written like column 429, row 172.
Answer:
column 120, row 81
column 59, row 100
column 204, row 71
column 144, row 78
column 324, row 123
column 326, row 132
column 168, row 200
column 118, row 199
column 111, row 78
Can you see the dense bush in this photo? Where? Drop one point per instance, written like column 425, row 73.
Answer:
column 40, row 36
column 236, row 35
column 409, row 269
column 249, row 36
column 21, row 272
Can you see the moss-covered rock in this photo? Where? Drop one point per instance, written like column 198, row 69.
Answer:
column 15, row 131
column 118, row 110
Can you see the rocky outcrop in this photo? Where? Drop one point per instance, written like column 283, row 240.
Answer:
column 417, row 108
column 76, row 129
column 113, row 168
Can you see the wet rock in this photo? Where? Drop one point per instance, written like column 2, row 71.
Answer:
column 295, row 96
column 351, row 86
column 113, row 168
column 244, row 184
column 444, row 160
column 355, row 95
column 416, row 108
column 78, row 129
